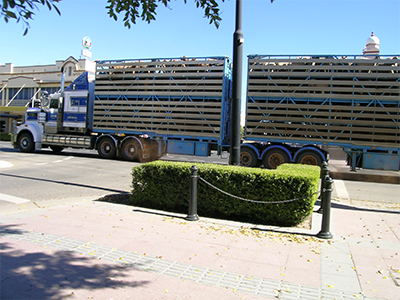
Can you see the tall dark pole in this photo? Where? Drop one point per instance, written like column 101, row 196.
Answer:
column 234, row 158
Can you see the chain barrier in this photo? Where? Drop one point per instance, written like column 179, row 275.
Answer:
column 325, row 197
column 254, row 201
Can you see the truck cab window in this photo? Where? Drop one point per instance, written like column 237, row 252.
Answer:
column 53, row 103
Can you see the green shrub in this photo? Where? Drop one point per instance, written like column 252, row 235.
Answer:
column 5, row 136
column 166, row 186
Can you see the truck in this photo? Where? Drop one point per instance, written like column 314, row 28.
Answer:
column 137, row 109
column 296, row 106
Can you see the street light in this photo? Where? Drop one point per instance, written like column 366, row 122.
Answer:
column 234, row 158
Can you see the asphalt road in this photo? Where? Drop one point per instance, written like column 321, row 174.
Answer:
column 43, row 175
column 73, row 175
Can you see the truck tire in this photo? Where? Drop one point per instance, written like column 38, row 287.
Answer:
column 309, row 157
column 130, row 150
column 248, row 158
column 26, row 143
column 275, row 157
column 106, row 148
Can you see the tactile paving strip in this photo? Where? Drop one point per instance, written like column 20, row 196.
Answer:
column 226, row 280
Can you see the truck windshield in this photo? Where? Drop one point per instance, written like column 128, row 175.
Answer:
column 53, row 103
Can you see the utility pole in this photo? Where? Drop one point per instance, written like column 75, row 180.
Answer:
column 234, row 158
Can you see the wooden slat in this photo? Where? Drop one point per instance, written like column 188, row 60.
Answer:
column 325, row 89
column 311, row 81
column 154, row 121
column 127, row 69
column 326, row 106
column 323, row 74
column 390, row 122
column 182, row 127
column 163, row 109
column 327, row 60
column 161, row 81
column 336, row 68
column 322, row 114
column 331, row 127
column 158, row 93
column 166, row 62
column 331, row 96
column 167, row 115
column 161, row 75
column 129, row 103
column 156, row 88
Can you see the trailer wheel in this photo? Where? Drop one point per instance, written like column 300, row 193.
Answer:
column 309, row 158
column 130, row 150
column 275, row 157
column 248, row 158
column 106, row 148
column 26, row 143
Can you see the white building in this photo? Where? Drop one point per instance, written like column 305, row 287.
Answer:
column 19, row 84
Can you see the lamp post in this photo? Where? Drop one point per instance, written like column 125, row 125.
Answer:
column 234, row 158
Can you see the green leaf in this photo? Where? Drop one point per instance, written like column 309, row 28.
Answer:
column 10, row 14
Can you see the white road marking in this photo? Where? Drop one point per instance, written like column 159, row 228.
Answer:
column 341, row 190
column 13, row 199
column 5, row 164
column 56, row 161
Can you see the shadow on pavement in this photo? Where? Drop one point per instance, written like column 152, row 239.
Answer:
column 351, row 207
column 55, row 274
column 64, row 183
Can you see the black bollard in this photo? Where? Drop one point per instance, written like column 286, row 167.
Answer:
column 326, row 216
column 192, row 216
column 324, row 174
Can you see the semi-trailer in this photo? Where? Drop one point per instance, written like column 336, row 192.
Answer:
column 141, row 109
column 297, row 105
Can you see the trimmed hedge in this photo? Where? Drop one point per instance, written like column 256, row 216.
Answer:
column 166, row 186
column 5, row 136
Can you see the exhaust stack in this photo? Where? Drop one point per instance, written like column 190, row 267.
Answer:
column 62, row 80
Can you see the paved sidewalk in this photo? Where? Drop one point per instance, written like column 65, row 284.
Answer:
column 99, row 250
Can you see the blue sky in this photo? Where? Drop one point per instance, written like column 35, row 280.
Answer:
column 298, row 27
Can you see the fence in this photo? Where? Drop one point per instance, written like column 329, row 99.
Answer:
column 325, row 197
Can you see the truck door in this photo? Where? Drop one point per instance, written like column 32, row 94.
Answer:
column 75, row 108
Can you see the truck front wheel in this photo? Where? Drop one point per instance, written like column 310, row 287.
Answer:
column 106, row 148
column 275, row 157
column 26, row 143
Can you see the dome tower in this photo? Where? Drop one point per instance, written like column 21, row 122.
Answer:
column 372, row 46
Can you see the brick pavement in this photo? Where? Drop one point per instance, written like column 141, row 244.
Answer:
column 99, row 250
